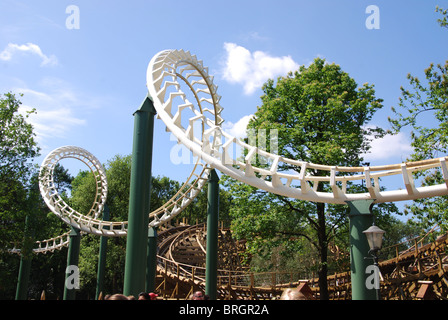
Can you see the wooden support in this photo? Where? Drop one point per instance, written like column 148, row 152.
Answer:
column 400, row 281
column 304, row 288
column 425, row 292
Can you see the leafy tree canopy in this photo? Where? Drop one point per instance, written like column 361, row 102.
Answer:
column 17, row 139
column 320, row 115
column 17, row 148
column 425, row 102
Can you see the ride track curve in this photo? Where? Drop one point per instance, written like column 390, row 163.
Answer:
column 186, row 100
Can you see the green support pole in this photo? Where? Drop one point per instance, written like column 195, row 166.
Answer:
column 137, row 235
column 72, row 262
column 211, row 271
column 361, row 219
column 151, row 268
column 24, row 276
column 102, row 257
column 25, row 264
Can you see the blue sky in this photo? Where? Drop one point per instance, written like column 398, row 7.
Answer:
column 86, row 82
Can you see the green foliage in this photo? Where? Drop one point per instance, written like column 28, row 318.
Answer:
column 321, row 116
column 443, row 22
column 17, row 149
column 47, row 274
column 13, row 209
column 20, row 199
column 9, row 264
column 197, row 211
column 17, row 140
column 118, row 172
column 423, row 101
column 47, row 271
column 427, row 102
column 398, row 233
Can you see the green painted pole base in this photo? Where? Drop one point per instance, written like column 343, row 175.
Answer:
column 211, row 271
column 24, row 275
column 72, row 264
column 25, row 263
column 102, row 258
column 151, row 268
column 137, row 235
column 361, row 219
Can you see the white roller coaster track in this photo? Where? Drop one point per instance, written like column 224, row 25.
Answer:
column 186, row 100
column 162, row 75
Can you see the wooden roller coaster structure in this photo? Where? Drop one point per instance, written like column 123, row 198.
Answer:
column 417, row 273
column 181, row 266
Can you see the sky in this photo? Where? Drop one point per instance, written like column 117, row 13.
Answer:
column 82, row 64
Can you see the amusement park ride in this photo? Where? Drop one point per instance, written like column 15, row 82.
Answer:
column 182, row 94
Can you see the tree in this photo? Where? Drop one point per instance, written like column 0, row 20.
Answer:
column 268, row 226
column 321, row 116
column 47, row 270
column 196, row 212
column 17, row 140
column 118, row 172
column 427, row 102
column 17, row 149
column 443, row 22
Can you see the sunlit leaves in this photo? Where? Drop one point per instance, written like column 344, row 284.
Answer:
column 17, row 139
column 319, row 106
column 423, row 107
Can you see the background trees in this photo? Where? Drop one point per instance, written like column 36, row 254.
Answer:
column 321, row 116
column 118, row 172
column 17, row 150
column 423, row 107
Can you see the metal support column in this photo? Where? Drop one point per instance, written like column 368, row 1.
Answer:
column 72, row 263
column 102, row 257
column 26, row 256
column 361, row 219
column 137, row 236
column 151, row 268
column 211, row 271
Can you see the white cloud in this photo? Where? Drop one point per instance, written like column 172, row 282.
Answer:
column 29, row 48
column 253, row 69
column 56, row 109
column 391, row 146
column 394, row 148
column 238, row 129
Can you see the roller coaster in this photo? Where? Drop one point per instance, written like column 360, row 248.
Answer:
column 186, row 100
column 417, row 273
